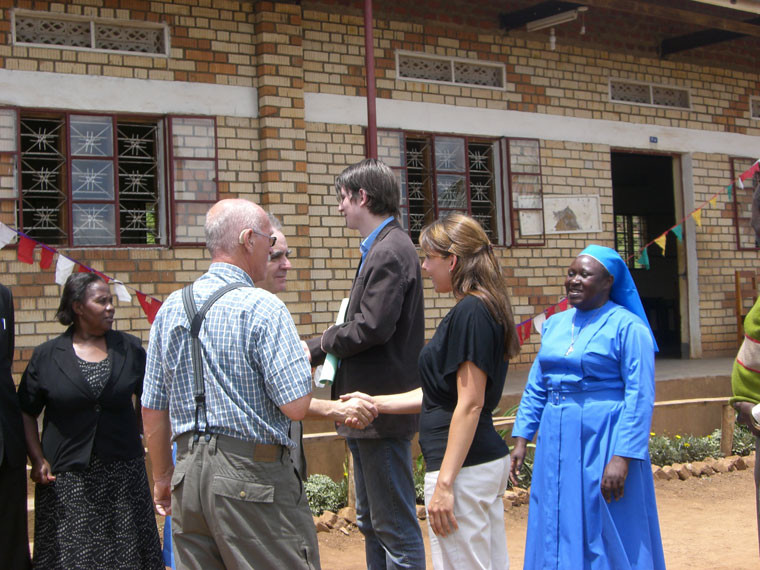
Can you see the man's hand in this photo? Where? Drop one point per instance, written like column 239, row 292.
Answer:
column 744, row 416
column 358, row 412
column 162, row 495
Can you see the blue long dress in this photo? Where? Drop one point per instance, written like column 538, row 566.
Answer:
column 590, row 404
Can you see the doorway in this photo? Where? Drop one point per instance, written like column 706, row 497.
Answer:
column 644, row 207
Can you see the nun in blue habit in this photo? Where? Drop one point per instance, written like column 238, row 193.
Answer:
column 590, row 396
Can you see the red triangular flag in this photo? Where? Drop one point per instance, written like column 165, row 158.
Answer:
column 550, row 311
column 83, row 269
column 149, row 305
column 523, row 331
column 25, row 250
column 562, row 306
column 103, row 276
column 46, row 257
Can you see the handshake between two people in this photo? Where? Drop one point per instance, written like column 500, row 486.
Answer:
column 358, row 409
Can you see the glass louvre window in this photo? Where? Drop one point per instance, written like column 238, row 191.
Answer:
column 441, row 174
column 193, row 175
column 630, row 238
column 526, row 191
column 742, row 198
column 8, row 165
column 98, row 180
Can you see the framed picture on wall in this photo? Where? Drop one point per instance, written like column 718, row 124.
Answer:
column 572, row 214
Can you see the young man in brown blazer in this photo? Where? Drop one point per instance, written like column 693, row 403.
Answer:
column 378, row 346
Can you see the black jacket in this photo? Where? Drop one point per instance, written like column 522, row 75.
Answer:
column 76, row 424
column 12, row 446
column 380, row 342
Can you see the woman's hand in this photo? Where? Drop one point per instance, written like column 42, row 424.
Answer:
column 41, row 472
column 517, row 457
column 614, row 477
column 441, row 511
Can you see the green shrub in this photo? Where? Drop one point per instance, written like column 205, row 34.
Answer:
column 418, row 472
column 324, row 494
column 689, row 448
column 744, row 440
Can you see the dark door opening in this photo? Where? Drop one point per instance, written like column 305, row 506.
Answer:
column 644, row 208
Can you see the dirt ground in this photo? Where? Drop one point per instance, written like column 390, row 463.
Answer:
column 706, row 523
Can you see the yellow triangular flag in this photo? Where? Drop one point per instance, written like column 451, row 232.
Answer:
column 697, row 215
column 713, row 200
column 661, row 241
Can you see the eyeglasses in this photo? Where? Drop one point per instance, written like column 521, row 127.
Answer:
column 272, row 239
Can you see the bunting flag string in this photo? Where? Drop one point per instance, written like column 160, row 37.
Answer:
column 661, row 242
column 65, row 266
column 150, row 305
column 696, row 215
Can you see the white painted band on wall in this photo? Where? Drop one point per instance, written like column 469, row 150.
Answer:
column 36, row 89
column 415, row 116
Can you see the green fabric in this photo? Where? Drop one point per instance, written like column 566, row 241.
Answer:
column 745, row 384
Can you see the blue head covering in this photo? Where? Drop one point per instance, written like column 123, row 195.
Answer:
column 623, row 290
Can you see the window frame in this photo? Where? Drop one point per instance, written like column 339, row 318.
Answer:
column 164, row 155
column 516, row 240
column 171, row 157
column 452, row 61
column 506, row 230
column 93, row 22
column 652, row 86
column 740, row 222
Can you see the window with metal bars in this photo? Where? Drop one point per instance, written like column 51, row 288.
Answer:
column 77, row 179
column 496, row 181
column 630, row 238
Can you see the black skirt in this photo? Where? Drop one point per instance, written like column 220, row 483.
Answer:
column 101, row 517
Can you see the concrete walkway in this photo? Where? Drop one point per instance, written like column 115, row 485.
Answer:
column 665, row 369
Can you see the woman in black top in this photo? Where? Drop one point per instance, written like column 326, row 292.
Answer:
column 463, row 369
column 93, row 507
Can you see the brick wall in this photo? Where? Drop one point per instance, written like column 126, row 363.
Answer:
column 289, row 165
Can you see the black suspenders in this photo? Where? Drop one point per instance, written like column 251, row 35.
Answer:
column 196, row 319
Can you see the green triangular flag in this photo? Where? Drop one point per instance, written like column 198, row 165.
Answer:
column 728, row 189
column 678, row 230
column 644, row 259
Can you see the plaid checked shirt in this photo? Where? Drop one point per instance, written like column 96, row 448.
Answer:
column 253, row 361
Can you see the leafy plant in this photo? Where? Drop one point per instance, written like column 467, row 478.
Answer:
column 418, row 472
column 744, row 440
column 324, row 494
column 689, row 448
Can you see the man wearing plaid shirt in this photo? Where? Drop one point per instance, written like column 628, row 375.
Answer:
column 234, row 497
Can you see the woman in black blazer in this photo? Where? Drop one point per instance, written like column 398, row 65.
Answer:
column 92, row 501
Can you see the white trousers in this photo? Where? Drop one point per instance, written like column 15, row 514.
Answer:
column 480, row 542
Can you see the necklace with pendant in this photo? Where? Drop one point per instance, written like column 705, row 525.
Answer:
column 580, row 330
